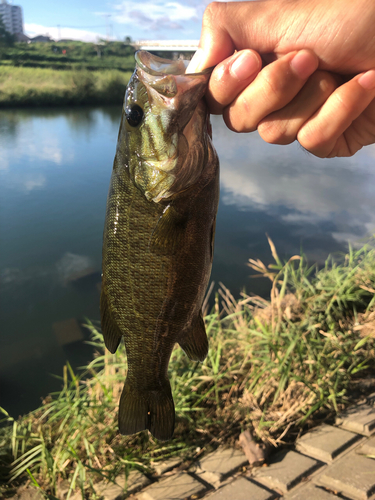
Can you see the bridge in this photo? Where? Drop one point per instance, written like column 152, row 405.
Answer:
column 167, row 45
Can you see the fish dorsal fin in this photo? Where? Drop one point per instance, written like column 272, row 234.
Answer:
column 169, row 233
column 194, row 341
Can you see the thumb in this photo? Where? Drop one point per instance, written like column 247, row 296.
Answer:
column 234, row 26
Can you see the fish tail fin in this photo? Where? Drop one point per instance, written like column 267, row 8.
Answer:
column 152, row 410
column 195, row 342
column 111, row 332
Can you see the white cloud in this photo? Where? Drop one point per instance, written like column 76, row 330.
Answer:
column 33, row 182
column 155, row 16
column 32, row 30
column 71, row 266
column 28, row 147
column 48, row 149
column 52, row 152
column 300, row 188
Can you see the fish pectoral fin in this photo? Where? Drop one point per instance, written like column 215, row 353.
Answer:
column 111, row 332
column 152, row 410
column 169, row 232
column 195, row 343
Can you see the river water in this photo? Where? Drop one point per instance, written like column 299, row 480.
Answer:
column 55, row 166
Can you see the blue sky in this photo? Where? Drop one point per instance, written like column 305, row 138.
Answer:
column 89, row 19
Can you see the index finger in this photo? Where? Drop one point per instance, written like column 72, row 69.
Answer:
column 231, row 26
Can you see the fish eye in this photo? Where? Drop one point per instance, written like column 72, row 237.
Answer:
column 134, row 115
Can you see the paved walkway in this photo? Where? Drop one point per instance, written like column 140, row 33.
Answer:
column 328, row 463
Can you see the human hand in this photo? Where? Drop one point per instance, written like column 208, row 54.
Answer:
column 288, row 99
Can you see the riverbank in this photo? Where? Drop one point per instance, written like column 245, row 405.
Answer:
column 274, row 367
column 20, row 87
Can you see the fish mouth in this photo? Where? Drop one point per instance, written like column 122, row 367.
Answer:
column 158, row 66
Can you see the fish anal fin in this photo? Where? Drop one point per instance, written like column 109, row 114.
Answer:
column 194, row 342
column 169, row 232
column 111, row 332
column 152, row 410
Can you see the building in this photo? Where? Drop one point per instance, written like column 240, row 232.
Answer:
column 41, row 38
column 21, row 37
column 12, row 17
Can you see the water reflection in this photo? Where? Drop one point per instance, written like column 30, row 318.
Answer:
column 55, row 167
column 299, row 187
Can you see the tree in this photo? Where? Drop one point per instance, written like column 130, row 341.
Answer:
column 6, row 38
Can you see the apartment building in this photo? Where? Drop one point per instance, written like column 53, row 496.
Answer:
column 12, row 17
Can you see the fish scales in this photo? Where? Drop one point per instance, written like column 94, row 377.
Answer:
column 158, row 236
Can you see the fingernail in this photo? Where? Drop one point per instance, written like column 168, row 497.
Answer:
column 195, row 65
column 245, row 65
column 367, row 80
column 304, row 63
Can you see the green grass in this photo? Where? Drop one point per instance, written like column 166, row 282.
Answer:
column 64, row 73
column 41, row 87
column 69, row 55
column 273, row 366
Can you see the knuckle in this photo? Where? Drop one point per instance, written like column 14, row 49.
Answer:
column 275, row 132
column 212, row 13
column 313, row 141
column 279, row 80
column 351, row 145
column 238, row 120
column 272, row 84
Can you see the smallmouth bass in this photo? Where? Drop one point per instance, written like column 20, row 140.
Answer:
column 159, row 235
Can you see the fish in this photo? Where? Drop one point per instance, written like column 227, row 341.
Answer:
column 159, row 234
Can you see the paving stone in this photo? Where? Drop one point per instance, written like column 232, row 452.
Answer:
column 360, row 419
column 162, row 467
column 368, row 448
column 312, row 492
column 215, row 466
column 177, row 487
column 325, row 442
column 109, row 491
column 353, row 475
column 286, row 470
column 242, row 489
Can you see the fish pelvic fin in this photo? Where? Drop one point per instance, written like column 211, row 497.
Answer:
column 152, row 410
column 195, row 343
column 111, row 332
